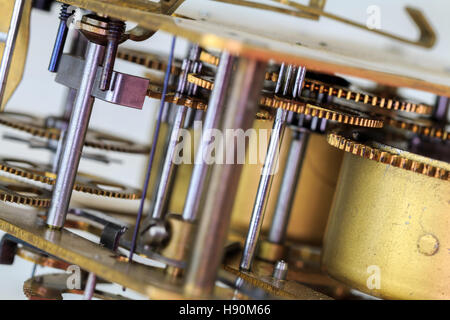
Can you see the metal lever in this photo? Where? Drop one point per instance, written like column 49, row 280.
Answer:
column 427, row 37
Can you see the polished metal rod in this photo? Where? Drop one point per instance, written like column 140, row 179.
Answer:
column 161, row 198
column 75, row 136
column 289, row 182
column 262, row 195
column 151, row 157
column 240, row 104
column 160, row 201
column 9, row 46
column 90, row 286
column 215, row 106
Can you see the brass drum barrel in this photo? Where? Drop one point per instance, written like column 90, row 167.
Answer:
column 388, row 231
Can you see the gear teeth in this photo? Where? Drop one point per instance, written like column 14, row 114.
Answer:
column 335, row 113
column 385, row 157
column 84, row 183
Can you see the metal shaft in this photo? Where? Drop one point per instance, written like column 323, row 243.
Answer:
column 240, row 105
column 441, row 109
column 289, row 182
column 262, row 195
column 61, row 37
column 162, row 193
column 90, row 286
column 75, row 136
column 215, row 109
column 161, row 198
column 9, row 46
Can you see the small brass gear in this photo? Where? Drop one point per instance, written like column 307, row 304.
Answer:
column 22, row 193
column 424, row 127
column 336, row 113
column 94, row 138
column 209, row 58
column 155, row 92
column 149, row 60
column 83, row 183
column 389, row 155
column 367, row 98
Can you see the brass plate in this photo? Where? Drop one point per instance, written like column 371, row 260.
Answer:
column 21, row 48
column 337, row 57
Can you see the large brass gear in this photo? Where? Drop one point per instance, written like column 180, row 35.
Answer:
column 388, row 155
column 332, row 90
column 84, row 182
column 310, row 107
column 22, row 193
column 95, row 139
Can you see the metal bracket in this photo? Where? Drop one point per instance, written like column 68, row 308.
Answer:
column 126, row 90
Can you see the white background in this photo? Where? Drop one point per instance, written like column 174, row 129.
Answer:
column 39, row 94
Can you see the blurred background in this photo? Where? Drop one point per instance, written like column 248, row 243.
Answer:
column 38, row 93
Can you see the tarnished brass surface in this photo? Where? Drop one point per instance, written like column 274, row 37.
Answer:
column 261, row 277
column 149, row 281
column 313, row 196
column 20, row 51
column 387, row 68
column 390, row 220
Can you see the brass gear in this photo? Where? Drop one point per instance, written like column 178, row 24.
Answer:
column 22, row 193
column 334, row 91
column 155, row 92
column 209, row 58
column 389, row 155
column 367, row 98
column 309, row 107
column 94, row 138
column 149, row 60
column 83, row 183
column 424, row 127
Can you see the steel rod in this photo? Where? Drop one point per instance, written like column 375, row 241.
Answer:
column 238, row 113
column 289, row 182
column 262, row 195
column 73, row 146
column 215, row 109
